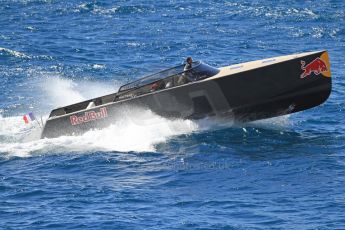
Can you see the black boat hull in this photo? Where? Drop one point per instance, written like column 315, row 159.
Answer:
column 256, row 92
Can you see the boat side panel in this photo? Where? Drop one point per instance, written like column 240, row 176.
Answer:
column 180, row 102
column 276, row 89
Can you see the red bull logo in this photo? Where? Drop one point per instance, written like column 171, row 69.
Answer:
column 89, row 116
column 317, row 67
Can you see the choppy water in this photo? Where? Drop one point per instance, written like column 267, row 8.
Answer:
column 148, row 172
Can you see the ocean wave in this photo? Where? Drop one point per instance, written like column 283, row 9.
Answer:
column 273, row 12
column 97, row 8
column 13, row 53
column 98, row 66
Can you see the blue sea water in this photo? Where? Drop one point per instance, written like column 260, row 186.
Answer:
column 146, row 171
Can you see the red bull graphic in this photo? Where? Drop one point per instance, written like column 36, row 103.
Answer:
column 317, row 67
column 89, row 116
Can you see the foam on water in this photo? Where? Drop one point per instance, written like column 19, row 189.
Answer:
column 135, row 130
column 276, row 123
column 138, row 131
column 9, row 52
column 21, row 55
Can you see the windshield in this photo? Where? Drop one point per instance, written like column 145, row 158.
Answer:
column 197, row 72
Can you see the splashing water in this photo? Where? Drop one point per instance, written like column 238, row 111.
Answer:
column 134, row 130
column 60, row 91
column 139, row 131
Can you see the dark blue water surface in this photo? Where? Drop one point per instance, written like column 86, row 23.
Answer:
column 148, row 172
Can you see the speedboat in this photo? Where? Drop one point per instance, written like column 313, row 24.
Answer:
column 242, row 92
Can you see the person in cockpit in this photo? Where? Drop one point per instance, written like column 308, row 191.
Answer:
column 185, row 78
column 188, row 65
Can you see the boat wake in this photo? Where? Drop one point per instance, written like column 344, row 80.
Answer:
column 135, row 130
column 138, row 130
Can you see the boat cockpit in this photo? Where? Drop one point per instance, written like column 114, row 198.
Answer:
column 165, row 79
column 168, row 78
